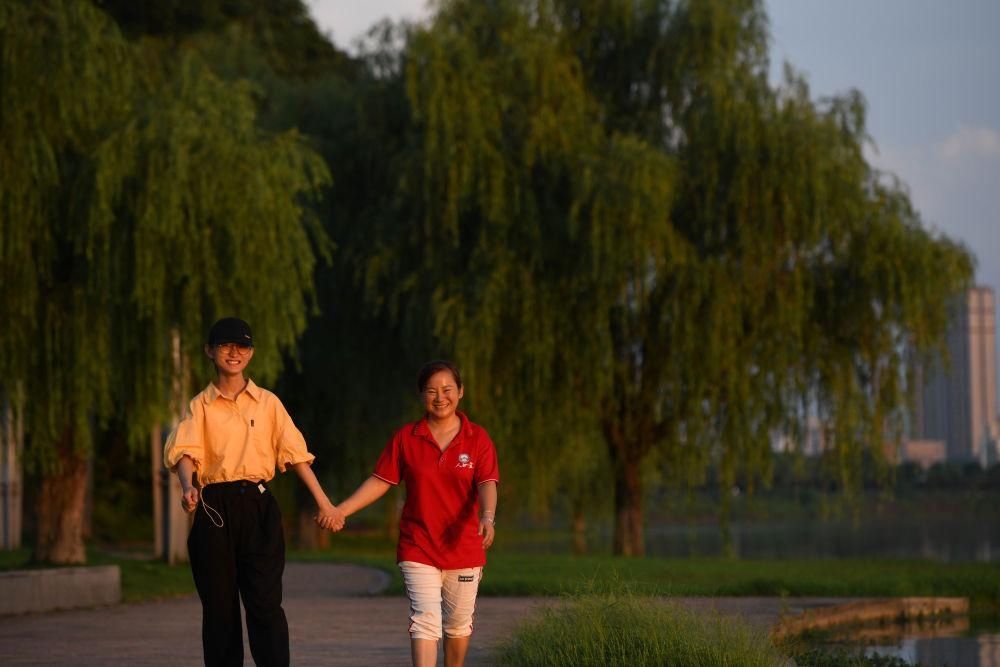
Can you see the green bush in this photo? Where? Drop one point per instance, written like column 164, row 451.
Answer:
column 622, row 629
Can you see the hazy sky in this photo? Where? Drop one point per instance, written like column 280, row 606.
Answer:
column 929, row 69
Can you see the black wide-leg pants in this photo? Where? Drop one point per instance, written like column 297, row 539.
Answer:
column 244, row 557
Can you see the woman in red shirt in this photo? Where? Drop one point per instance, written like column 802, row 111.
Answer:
column 449, row 466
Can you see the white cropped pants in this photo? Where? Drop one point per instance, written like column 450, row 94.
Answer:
column 440, row 600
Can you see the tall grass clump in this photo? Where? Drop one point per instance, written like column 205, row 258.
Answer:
column 624, row 629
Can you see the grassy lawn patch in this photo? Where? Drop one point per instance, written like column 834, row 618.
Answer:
column 622, row 629
column 16, row 559
column 511, row 573
column 144, row 580
column 520, row 574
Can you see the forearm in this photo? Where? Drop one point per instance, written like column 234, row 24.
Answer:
column 488, row 499
column 370, row 490
column 308, row 477
column 185, row 473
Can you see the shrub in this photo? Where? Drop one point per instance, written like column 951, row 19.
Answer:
column 622, row 629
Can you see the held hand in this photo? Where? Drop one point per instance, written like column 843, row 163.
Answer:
column 330, row 517
column 487, row 530
column 189, row 501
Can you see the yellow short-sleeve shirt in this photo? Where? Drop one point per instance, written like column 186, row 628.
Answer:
column 230, row 440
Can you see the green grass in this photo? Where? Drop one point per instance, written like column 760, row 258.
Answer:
column 148, row 579
column 622, row 629
column 520, row 574
column 516, row 574
column 15, row 559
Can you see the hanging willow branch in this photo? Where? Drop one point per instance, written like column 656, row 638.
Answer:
column 620, row 226
column 134, row 206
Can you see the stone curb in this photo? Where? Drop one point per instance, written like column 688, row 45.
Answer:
column 30, row 591
column 869, row 611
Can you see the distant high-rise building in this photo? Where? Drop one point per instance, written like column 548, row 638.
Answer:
column 813, row 439
column 958, row 404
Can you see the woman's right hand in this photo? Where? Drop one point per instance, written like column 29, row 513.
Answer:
column 487, row 528
column 189, row 499
column 331, row 518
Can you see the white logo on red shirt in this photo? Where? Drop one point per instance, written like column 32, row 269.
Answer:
column 465, row 461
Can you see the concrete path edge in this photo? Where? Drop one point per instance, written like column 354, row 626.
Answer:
column 27, row 591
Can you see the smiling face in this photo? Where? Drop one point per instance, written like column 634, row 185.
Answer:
column 230, row 359
column 441, row 395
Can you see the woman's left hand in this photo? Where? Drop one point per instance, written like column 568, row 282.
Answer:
column 330, row 517
column 487, row 530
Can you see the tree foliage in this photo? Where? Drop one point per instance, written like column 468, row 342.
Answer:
column 640, row 250
column 527, row 218
column 281, row 31
column 140, row 201
column 353, row 380
column 618, row 223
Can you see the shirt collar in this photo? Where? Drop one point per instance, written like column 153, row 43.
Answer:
column 212, row 392
column 422, row 428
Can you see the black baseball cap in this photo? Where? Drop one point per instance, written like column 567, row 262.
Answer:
column 230, row 330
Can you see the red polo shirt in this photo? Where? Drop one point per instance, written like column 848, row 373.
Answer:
column 440, row 521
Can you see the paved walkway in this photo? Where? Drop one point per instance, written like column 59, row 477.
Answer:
column 332, row 617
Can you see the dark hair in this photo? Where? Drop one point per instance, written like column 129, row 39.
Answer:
column 432, row 367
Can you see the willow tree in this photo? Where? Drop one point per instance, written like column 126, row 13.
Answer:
column 619, row 224
column 813, row 272
column 359, row 122
column 516, row 227
column 136, row 208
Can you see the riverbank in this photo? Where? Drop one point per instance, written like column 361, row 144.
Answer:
column 332, row 619
column 519, row 574
column 510, row 573
column 344, row 614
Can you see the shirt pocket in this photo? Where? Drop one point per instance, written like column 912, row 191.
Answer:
column 261, row 436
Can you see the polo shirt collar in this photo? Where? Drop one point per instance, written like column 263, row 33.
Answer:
column 423, row 429
column 212, row 392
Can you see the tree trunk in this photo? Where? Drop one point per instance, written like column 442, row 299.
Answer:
column 61, row 501
column 628, row 538
column 11, row 476
column 88, row 500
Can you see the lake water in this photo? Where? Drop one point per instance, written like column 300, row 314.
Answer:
column 941, row 538
column 976, row 651
column 952, row 642
column 947, row 539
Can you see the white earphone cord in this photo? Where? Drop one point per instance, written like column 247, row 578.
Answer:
column 209, row 510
